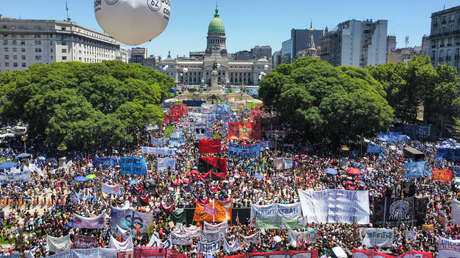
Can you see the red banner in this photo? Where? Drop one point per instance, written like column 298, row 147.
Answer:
column 444, row 175
column 241, row 130
column 212, row 164
column 210, row 146
column 416, row 254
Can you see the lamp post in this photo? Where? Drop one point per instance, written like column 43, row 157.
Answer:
column 24, row 139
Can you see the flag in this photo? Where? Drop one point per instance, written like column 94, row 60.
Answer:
column 213, row 165
column 222, row 212
column 209, row 210
column 241, row 130
column 210, row 146
column 138, row 230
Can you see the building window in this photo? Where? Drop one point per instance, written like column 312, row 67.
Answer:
column 23, row 50
column 64, row 50
column 6, row 49
column 7, row 64
column 15, row 64
column 7, row 57
column 15, row 57
column 23, row 43
column 64, row 58
column 38, row 58
column 38, row 50
column 15, row 49
column 5, row 42
column 37, row 36
column 23, row 64
column 38, row 42
column 23, row 57
column 14, row 42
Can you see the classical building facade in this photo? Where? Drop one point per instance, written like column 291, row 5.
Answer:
column 26, row 42
column 445, row 37
column 197, row 71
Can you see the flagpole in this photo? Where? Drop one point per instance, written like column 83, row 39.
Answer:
column 214, row 211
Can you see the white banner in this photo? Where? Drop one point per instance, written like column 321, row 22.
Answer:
column 211, row 235
column 254, row 238
column 58, row 244
column 93, row 253
column 91, row 223
column 448, row 248
column 232, row 248
column 208, row 248
column 379, row 237
column 222, row 227
column 335, row 206
column 155, row 241
column 302, row 237
column 180, row 239
column 158, row 151
column 122, row 246
column 277, row 209
column 165, row 163
column 455, row 212
column 15, row 177
column 112, row 189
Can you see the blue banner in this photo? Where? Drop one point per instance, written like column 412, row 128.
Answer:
column 159, row 141
column 448, row 153
column 374, row 148
column 244, row 151
column 165, row 163
column 393, row 137
column 415, row 170
column 105, row 163
column 133, row 166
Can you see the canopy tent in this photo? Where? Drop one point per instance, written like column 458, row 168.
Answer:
column 8, row 165
column 354, row 171
column 414, row 154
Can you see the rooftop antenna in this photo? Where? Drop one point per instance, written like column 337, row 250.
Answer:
column 67, row 9
column 407, row 41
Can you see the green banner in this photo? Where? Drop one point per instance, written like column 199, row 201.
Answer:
column 268, row 222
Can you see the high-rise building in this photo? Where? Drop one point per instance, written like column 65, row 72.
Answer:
column 286, row 51
column 259, row 52
column 138, row 55
column 445, row 37
column 301, row 39
column 276, row 59
column 26, row 42
column 356, row 43
column 391, row 45
column 243, row 55
column 426, row 45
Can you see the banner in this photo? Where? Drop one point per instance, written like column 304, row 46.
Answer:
column 58, row 244
column 211, row 235
column 455, row 212
column 85, row 242
column 448, row 152
column 281, row 163
column 374, row 148
column 268, row 222
column 232, row 248
column 416, row 254
column 164, row 164
column 164, row 151
column 408, row 211
column 252, row 239
column 240, row 130
column 15, row 178
column 302, row 237
column 448, row 248
column 158, row 142
column 222, row 227
column 277, row 209
column 93, row 253
column 121, row 246
column 209, row 146
column 133, row 166
column 223, row 212
column 376, row 237
column 112, row 189
column 358, row 253
column 208, row 248
column 212, row 164
column 105, row 163
column 128, row 219
column 180, row 239
column 244, row 150
column 91, row 223
column 444, row 175
column 155, row 240
column 415, row 170
column 349, row 206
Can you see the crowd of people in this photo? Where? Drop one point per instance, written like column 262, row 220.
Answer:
column 45, row 204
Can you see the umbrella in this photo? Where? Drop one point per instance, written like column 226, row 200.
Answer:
column 132, row 182
column 259, row 176
column 331, row 171
column 81, row 178
column 353, row 171
column 91, row 176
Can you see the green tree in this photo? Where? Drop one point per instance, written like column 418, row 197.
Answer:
column 84, row 106
column 327, row 103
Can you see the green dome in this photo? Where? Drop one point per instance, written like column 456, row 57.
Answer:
column 216, row 25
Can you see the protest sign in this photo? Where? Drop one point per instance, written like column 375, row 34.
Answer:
column 349, row 206
column 244, row 150
column 222, row 209
column 376, row 237
column 85, row 242
column 112, row 189
column 448, row 248
column 90, row 223
column 164, row 164
column 128, row 219
column 58, row 244
column 133, row 166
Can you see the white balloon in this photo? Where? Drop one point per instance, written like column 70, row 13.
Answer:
column 133, row 22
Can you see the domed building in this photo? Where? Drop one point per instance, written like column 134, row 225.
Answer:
column 196, row 71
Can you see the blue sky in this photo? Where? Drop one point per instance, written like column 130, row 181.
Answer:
column 250, row 22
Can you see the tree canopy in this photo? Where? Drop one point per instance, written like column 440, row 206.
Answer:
column 325, row 102
column 84, row 106
column 417, row 86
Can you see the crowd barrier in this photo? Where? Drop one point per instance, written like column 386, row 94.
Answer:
column 168, row 253
column 35, row 202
